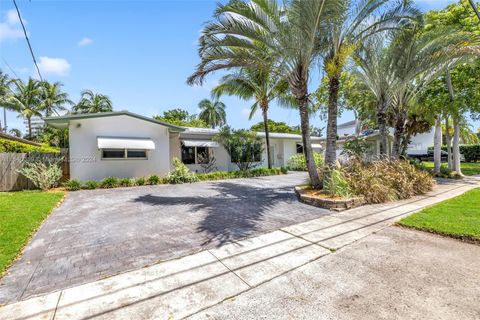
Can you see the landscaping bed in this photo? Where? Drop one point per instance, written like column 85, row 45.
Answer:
column 320, row 199
column 21, row 213
column 458, row 218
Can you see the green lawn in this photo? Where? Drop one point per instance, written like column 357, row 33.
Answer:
column 21, row 213
column 468, row 168
column 458, row 217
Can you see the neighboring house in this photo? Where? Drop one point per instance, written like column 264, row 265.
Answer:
column 347, row 129
column 421, row 142
column 124, row 144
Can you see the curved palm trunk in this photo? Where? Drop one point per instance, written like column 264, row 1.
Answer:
column 437, row 145
column 264, row 106
column 456, row 146
column 474, row 7
column 301, row 94
column 382, row 127
column 399, row 134
column 29, row 121
column 331, row 149
column 448, row 142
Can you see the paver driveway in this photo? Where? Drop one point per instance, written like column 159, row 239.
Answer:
column 98, row 233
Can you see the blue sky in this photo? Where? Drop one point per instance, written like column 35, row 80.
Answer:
column 139, row 53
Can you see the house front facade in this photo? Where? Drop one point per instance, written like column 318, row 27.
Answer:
column 128, row 145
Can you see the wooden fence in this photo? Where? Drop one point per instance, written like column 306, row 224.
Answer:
column 10, row 163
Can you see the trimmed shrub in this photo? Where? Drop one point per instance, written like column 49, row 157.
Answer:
column 109, row 182
column 140, row 181
column 297, row 161
column 180, row 174
column 220, row 175
column 20, row 147
column 91, row 184
column 154, row 179
column 125, row 182
column 471, row 152
column 73, row 185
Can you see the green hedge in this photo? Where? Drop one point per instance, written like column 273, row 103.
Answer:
column 113, row 182
column 20, row 147
column 471, row 152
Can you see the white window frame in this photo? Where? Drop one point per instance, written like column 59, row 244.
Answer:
column 125, row 152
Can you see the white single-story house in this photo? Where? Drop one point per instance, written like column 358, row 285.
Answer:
column 125, row 144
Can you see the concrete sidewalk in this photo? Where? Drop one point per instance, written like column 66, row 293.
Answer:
column 185, row 286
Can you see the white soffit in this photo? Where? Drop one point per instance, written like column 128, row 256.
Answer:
column 125, row 143
column 200, row 143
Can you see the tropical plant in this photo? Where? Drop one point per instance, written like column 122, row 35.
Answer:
column 243, row 146
column 355, row 23
column 91, row 184
column 109, row 182
column 15, row 132
column 336, row 184
column 212, row 112
column 275, row 126
column 26, row 99
column 91, row 102
column 356, row 147
column 140, row 181
column 180, row 174
column 53, row 99
column 153, row 179
column 297, row 161
column 291, row 33
column 5, row 83
column 73, row 185
column 43, row 174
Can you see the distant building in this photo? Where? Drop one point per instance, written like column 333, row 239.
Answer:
column 37, row 125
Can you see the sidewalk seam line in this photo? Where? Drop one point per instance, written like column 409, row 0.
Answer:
column 230, row 269
column 56, row 307
column 299, row 237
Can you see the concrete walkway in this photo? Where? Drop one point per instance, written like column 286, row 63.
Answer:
column 200, row 282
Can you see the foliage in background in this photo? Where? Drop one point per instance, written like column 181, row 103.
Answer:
column 471, row 152
column 274, row 126
column 43, row 174
column 212, row 112
column 297, row 161
column 243, row 146
column 356, row 147
column 20, row 147
column 91, row 102
column 180, row 174
column 182, row 118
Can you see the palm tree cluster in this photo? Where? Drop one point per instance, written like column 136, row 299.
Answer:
column 35, row 98
column 272, row 50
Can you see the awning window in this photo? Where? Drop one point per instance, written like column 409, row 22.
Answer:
column 200, row 143
column 125, row 143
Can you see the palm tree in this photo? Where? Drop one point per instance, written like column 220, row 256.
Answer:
column 5, row 83
column 26, row 100
column 53, row 98
column 15, row 132
column 261, row 85
column 212, row 112
column 91, row 102
column 354, row 25
column 289, row 32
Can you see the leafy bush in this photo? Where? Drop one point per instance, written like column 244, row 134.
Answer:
column 297, row 161
column 91, row 184
column 43, row 174
column 109, row 182
column 356, row 147
column 180, row 174
column 220, row 175
column 154, row 179
column 140, row 181
column 385, row 180
column 20, row 147
column 125, row 182
column 336, row 184
column 73, row 185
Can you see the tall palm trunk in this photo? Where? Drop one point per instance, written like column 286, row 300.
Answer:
column 456, row 145
column 382, row 127
column 331, row 149
column 29, row 121
column 437, row 145
column 448, row 141
column 264, row 106
column 300, row 91
column 398, row 134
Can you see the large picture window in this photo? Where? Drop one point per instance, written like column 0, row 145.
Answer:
column 108, row 154
column 195, row 155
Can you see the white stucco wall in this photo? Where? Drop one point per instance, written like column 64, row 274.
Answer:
column 85, row 157
column 421, row 142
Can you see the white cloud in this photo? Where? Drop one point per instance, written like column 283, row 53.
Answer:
column 53, row 66
column 10, row 28
column 84, row 42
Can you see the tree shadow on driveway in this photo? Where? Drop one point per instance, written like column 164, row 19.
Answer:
column 232, row 211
